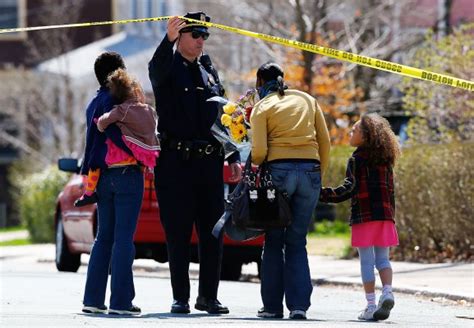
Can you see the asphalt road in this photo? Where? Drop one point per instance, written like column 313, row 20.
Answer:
column 34, row 294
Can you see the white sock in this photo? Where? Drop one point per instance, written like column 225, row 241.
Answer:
column 370, row 297
column 386, row 289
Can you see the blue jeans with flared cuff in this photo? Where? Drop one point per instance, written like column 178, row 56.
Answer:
column 285, row 269
column 120, row 194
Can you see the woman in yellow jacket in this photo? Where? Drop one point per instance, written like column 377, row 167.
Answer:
column 290, row 133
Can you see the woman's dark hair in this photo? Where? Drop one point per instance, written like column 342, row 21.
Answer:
column 272, row 71
column 105, row 64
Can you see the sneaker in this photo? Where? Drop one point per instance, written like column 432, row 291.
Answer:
column 262, row 313
column 86, row 200
column 298, row 315
column 367, row 314
column 386, row 303
column 134, row 310
column 94, row 309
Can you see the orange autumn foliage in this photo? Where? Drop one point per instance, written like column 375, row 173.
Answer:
column 335, row 92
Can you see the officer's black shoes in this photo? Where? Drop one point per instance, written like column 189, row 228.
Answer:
column 180, row 307
column 212, row 306
column 86, row 200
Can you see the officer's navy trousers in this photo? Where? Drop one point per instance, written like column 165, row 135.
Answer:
column 190, row 192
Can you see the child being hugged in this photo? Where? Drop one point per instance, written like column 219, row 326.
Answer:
column 137, row 122
column 369, row 184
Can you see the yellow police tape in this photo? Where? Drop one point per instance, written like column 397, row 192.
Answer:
column 325, row 51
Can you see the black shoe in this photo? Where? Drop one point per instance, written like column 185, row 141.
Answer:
column 86, row 200
column 94, row 309
column 180, row 307
column 134, row 310
column 212, row 306
column 262, row 313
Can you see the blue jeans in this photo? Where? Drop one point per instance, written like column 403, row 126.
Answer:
column 120, row 194
column 285, row 269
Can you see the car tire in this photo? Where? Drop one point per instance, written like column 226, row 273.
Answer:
column 65, row 260
column 231, row 270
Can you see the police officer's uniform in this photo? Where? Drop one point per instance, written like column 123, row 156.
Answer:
column 189, row 174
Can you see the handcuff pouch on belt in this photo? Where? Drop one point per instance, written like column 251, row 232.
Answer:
column 192, row 148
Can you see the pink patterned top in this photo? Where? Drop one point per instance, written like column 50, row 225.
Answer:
column 138, row 122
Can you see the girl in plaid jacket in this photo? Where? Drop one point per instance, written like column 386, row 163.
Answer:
column 369, row 185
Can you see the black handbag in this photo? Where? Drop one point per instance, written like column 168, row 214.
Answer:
column 256, row 204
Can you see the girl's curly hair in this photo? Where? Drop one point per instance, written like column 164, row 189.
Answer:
column 379, row 140
column 123, row 86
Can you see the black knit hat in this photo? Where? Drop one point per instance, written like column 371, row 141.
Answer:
column 193, row 26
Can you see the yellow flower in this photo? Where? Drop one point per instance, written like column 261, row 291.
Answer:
column 226, row 120
column 229, row 108
column 238, row 132
column 239, row 119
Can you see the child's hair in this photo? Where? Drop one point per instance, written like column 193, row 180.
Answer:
column 123, row 86
column 105, row 64
column 379, row 140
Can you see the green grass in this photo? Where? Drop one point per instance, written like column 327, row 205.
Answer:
column 337, row 246
column 15, row 242
column 11, row 229
column 330, row 238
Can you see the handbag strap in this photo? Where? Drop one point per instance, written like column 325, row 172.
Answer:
column 265, row 177
column 263, row 174
column 249, row 176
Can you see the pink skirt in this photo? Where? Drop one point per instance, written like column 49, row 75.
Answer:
column 374, row 233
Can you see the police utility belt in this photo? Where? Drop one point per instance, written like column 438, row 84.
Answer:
column 192, row 148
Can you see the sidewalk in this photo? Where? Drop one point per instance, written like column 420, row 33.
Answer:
column 7, row 236
column 453, row 281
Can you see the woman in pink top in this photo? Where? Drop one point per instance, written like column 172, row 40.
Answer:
column 369, row 185
column 137, row 122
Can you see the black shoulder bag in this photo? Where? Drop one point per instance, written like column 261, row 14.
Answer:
column 256, row 204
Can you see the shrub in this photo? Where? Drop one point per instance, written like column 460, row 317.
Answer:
column 37, row 202
column 335, row 176
column 434, row 202
column 332, row 228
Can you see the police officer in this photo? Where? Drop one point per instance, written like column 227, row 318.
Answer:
column 189, row 174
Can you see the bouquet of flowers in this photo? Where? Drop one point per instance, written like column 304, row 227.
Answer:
column 236, row 115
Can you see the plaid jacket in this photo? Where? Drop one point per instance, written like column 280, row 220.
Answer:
column 370, row 188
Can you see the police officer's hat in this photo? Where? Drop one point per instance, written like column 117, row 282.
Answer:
column 193, row 26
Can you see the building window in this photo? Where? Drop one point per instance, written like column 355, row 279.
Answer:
column 12, row 15
column 9, row 14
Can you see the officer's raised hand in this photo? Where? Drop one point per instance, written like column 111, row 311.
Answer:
column 172, row 29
